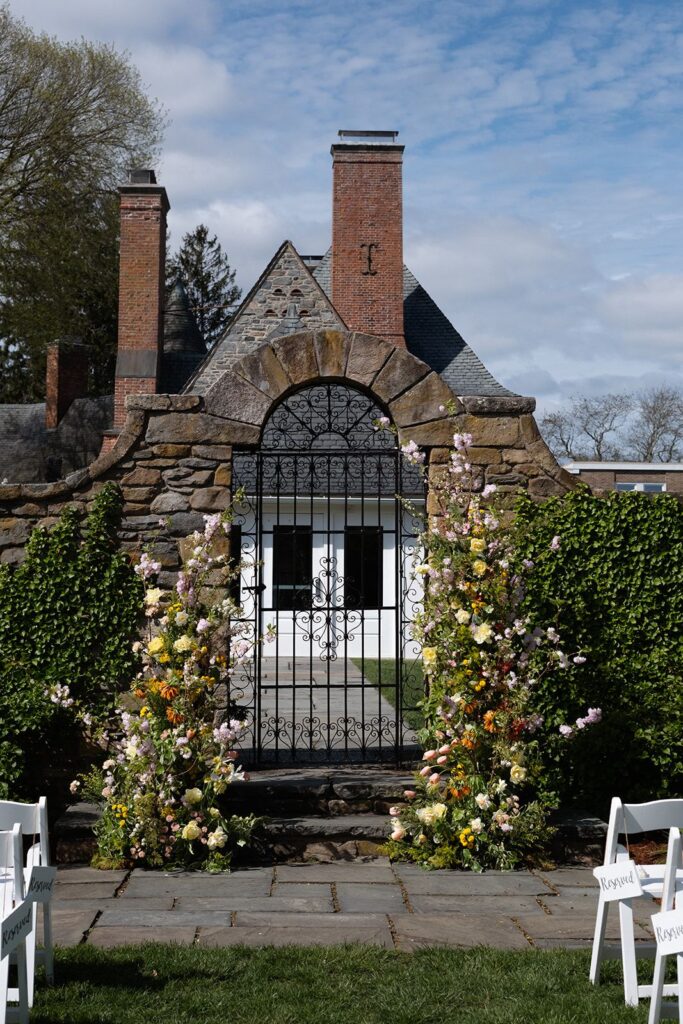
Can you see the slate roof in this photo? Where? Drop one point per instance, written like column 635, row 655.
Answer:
column 429, row 335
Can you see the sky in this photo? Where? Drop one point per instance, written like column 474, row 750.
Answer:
column 543, row 167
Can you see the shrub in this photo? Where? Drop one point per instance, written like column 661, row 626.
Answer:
column 173, row 752
column 68, row 615
column 480, row 799
column 613, row 580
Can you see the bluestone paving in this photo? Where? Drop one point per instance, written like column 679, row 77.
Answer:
column 394, row 906
column 82, row 873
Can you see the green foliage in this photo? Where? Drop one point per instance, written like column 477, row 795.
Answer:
column 614, row 587
column 68, row 615
column 73, row 119
column 205, row 271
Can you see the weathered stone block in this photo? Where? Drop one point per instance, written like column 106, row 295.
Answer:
column 142, row 477
column 199, row 478
column 139, row 493
column 223, row 476
column 212, row 451
column 545, row 487
column 421, row 403
column 29, row 510
column 439, row 455
column 265, row 371
column 181, row 524
column 506, row 479
column 483, row 456
column 438, row 432
column 528, row 469
column 235, row 397
column 366, row 358
column 529, row 429
column 163, row 403
column 502, row 405
column 297, row 356
column 401, row 371
column 194, row 463
column 170, row 501
column 189, row 428
column 169, row 451
column 331, row 349
column 14, row 532
column 492, row 431
column 12, row 556
column 210, row 499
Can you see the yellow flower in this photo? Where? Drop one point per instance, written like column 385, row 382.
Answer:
column 191, row 831
column 153, row 596
column 479, row 566
column 477, row 545
column 467, row 838
column 517, row 773
column 164, row 658
column 156, row 645
column 183, row 643
column 480, row 685
column 482, row 633
column 429, row 657
column 144, row 712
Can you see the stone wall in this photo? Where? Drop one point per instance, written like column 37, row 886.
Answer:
column 173, row 458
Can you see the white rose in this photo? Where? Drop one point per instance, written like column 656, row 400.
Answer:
column 482, row 801
column 476, row 825
column 462, row 616
column 517, row 773
column 217, row 840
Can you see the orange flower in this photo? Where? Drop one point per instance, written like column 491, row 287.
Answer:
column 174, row 717
column 490, row 721
column 168, row 692
column 468, row 741
column 139, row 693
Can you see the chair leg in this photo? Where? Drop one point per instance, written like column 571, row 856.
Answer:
column 657, row 990
column 679, row 981
column 30, row 948
column 48, row 944
column 598, row 941
column 628, row 952
column 22, row 984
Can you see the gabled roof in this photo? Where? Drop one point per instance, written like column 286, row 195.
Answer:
column 265, row 314
column 285, row 298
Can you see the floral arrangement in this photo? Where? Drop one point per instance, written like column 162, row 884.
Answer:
column 171, row 753
column 479, row 799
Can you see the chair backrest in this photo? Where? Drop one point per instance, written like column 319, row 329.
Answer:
column 33, row 821
column 633, row 819
column 674, row 865
column 12, row 863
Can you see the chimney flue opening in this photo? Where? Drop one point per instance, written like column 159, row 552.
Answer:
column 368, row 137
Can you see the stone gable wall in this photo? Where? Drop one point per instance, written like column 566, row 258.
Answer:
column 173, row 458
column 287, row 277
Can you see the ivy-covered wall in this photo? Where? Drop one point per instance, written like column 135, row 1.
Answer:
column 613, row 583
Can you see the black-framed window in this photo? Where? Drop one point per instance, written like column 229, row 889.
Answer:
column 363, row 567
column 292, row 567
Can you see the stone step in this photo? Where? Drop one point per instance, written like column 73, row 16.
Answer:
column 319, row 839
column 306, row 792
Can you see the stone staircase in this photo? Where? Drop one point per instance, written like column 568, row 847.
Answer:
column 320, row 814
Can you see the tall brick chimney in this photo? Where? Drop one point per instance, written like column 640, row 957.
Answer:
column 144, row 206
column 367, row 233
column 66, row 379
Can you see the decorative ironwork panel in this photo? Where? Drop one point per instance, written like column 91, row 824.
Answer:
column 327, row 543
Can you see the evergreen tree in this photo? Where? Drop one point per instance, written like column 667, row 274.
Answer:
column 205, row 271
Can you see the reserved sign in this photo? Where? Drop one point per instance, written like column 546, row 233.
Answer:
column 15, row 928
column 668, row 928
column 41, row 885
column 618, row 881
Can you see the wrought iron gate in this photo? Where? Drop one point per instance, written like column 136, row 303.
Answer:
column 327, row 541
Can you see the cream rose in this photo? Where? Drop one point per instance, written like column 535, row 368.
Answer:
column 477, row 545
column 462, row 617
column 482, row 633
column 183, row 643
column 517, row 773
column 191, row 831
column 431, row 814
column 192, row 797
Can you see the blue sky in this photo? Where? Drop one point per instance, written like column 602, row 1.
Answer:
column 543, row 164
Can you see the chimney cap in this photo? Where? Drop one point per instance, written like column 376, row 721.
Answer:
column 346, row 136
column 141, row 176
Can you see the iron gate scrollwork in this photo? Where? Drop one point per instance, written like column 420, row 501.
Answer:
column 327, row 531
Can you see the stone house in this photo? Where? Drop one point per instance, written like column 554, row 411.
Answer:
column 285, row 407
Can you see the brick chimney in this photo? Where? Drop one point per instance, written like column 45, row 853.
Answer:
column 144, row 206
column 66, row 379
column 367, row 233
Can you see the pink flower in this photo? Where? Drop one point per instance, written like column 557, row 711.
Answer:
column 566, row 731
column 429, row 755
column 409, row 794
column 394, row 811
column 203, row 625
column 434, row 779
column 425, row 771
column 442, row 759
column 445, row 749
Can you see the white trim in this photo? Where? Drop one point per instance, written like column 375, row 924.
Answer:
column 625, row 467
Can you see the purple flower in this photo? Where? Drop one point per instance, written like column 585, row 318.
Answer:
column 566, row 731
column 203, row 625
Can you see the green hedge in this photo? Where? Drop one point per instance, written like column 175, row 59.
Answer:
column 614, row 588
column 68, row 616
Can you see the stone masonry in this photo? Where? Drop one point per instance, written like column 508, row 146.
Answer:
column 173, row 457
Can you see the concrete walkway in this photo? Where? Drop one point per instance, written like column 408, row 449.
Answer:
column 394, row 906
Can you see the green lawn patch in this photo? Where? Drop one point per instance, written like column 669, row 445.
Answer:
column 164, row 984
column 382, row 674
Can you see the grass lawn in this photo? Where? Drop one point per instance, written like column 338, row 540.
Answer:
column 383, row 675
column 160, row 984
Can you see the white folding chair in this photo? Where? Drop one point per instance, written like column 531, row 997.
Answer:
column 11, row 899
column 630, row 820
column 33, row 821
column 671, row 899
